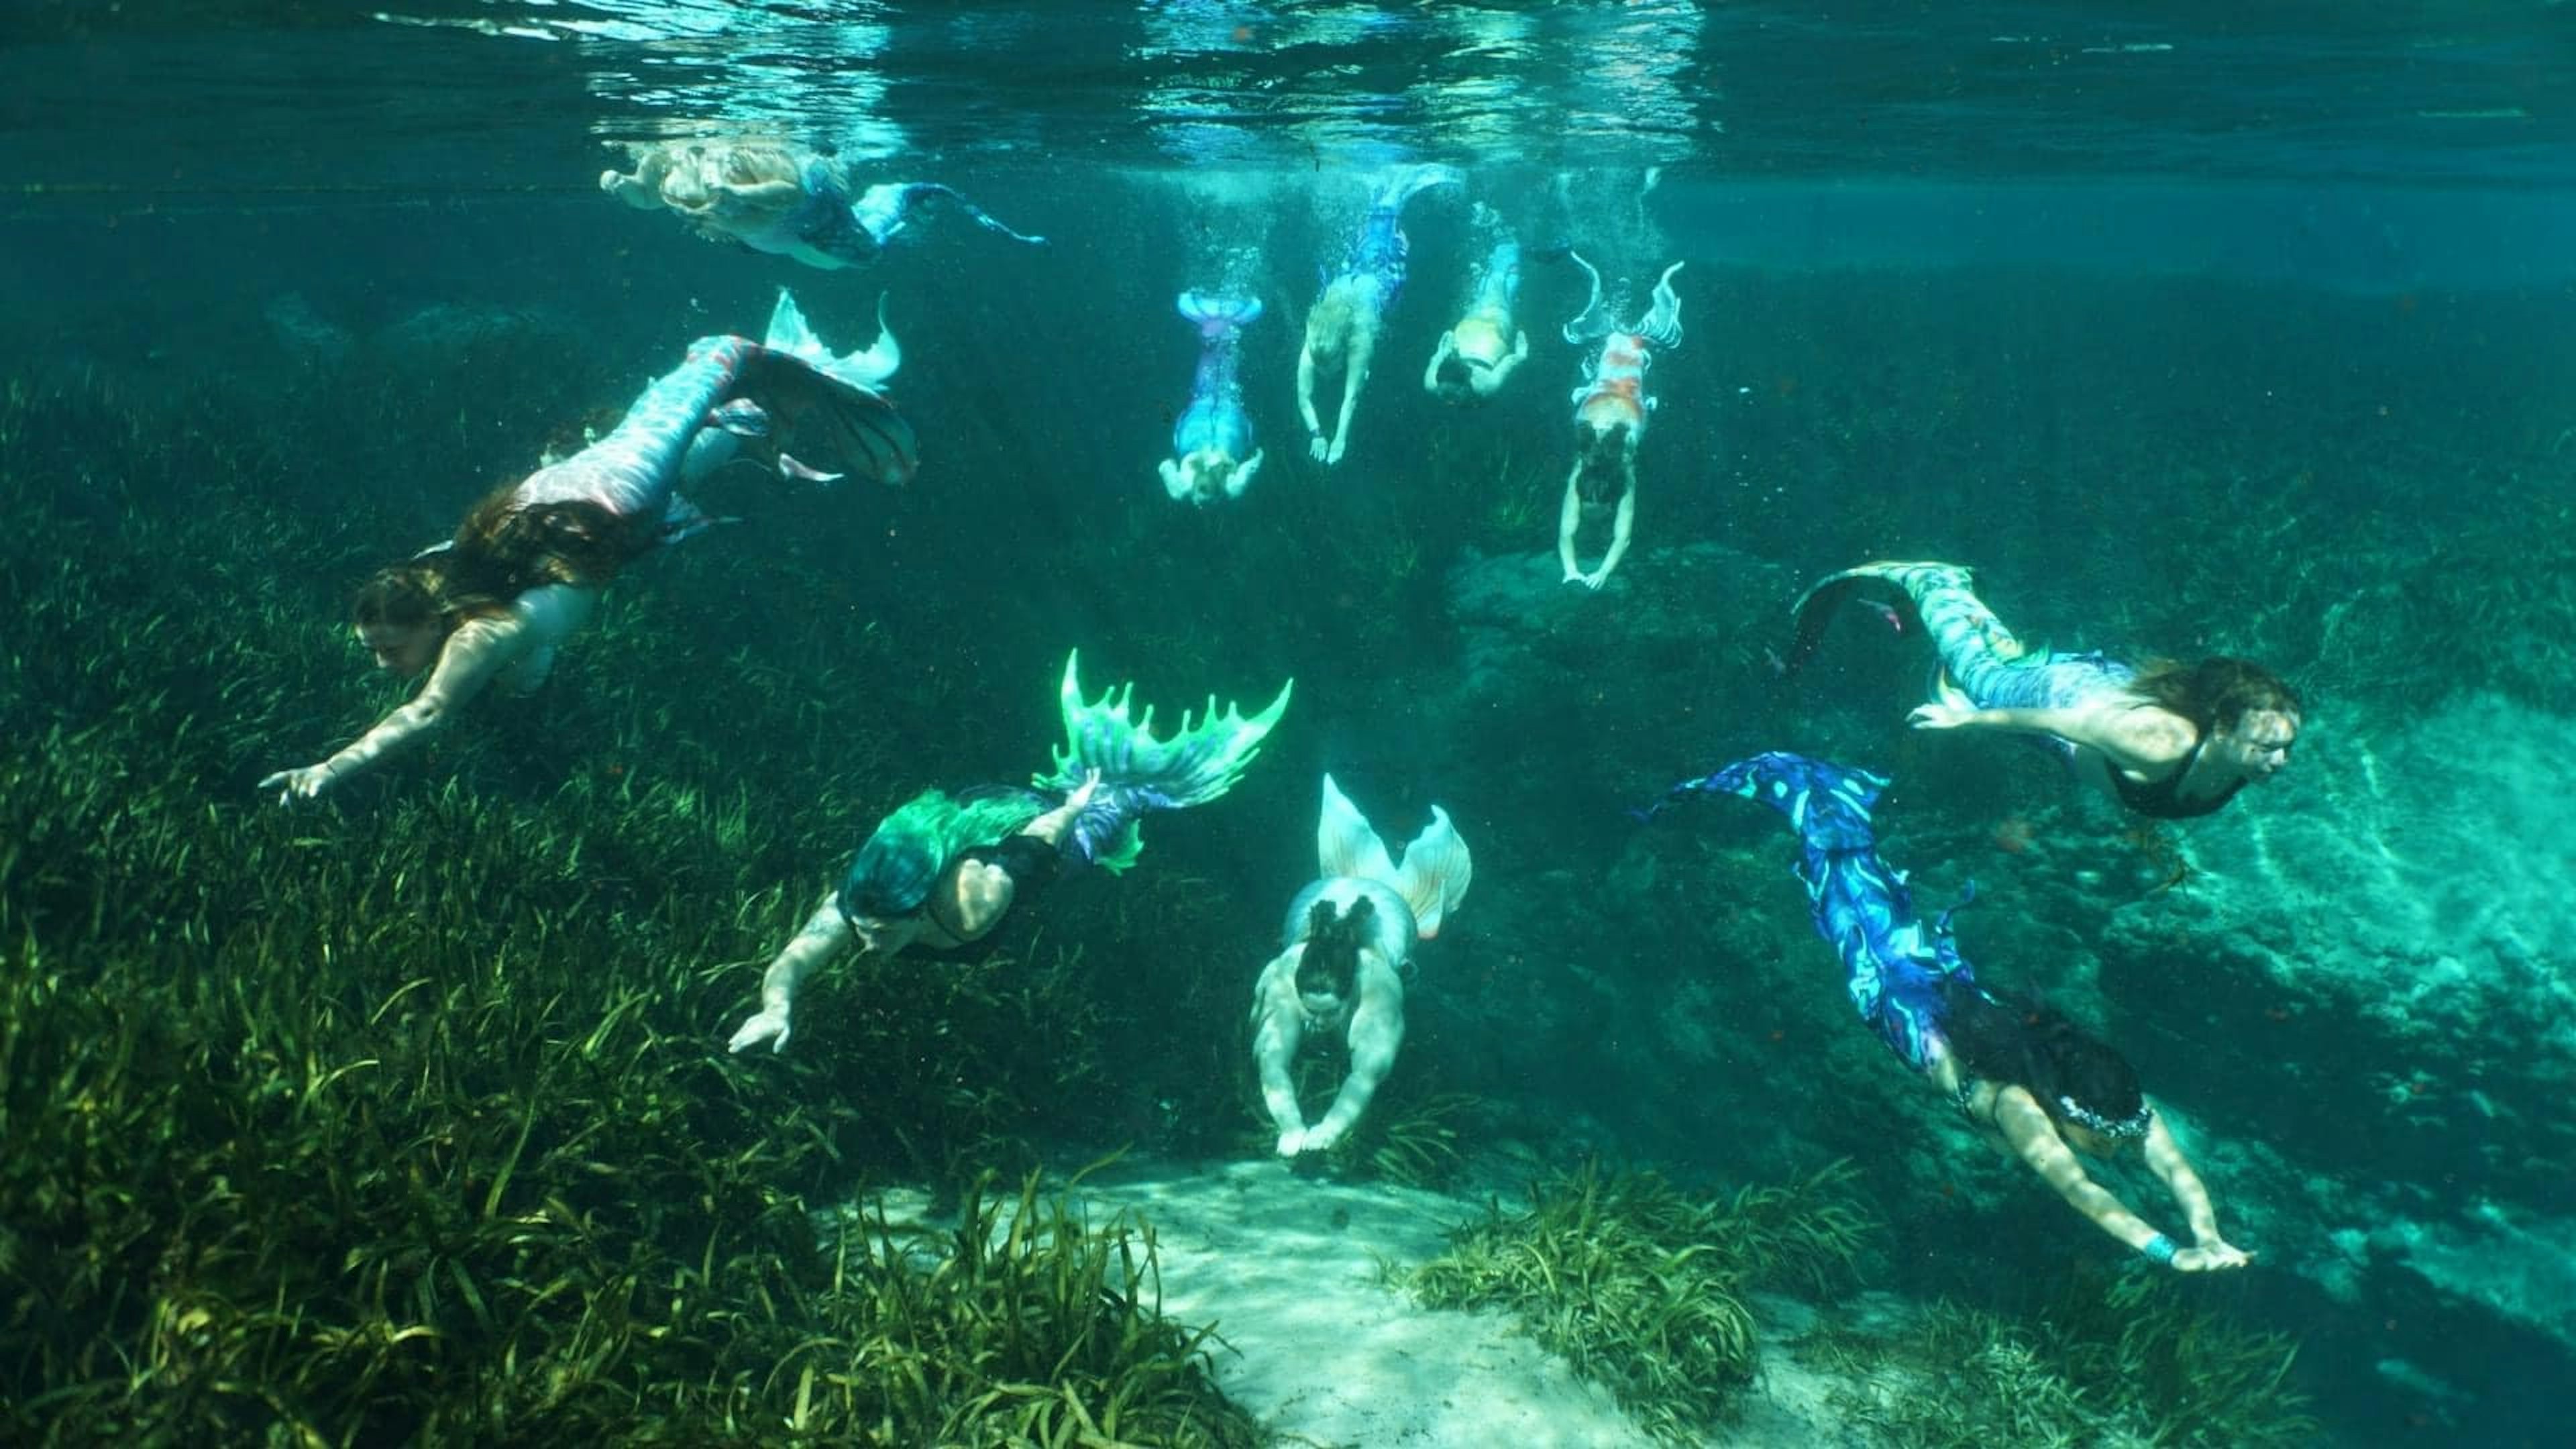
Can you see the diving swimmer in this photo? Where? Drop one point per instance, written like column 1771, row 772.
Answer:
column 525, row 569
column 2024, row 1074
column 1475, row 357
column 939, row 875
column 779, row 199
column 1341, row 331
column 1349, row 936
column 1213, row 452
column 2167, row 740
column 1610, row 413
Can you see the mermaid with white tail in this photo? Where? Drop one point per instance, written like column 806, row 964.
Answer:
column 781, row 199
column 1213, row 455
column 526, row 567
column 938, row 876
column 1342, row 330
column 1610, row 413
column 1349, row 936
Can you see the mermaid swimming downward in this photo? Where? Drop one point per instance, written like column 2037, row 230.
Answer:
column 1610, row 412
column 1213, row 455
column 2024, row 1073
column 939, row 875
column 524, row 571
column 1475, row 357
column 1342, row 329
column 2167, row 740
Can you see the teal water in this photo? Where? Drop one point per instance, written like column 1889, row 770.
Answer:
column 2195, row 329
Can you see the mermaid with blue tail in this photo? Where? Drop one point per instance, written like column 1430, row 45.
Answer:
column 2025, row 1074
column 782, row 200
column 938, row 876
column 1342, row 330
column 2169, row 741
column 524, row 571
column 1213, row 454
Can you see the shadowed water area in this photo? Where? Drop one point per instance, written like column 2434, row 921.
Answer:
column 406, row 1114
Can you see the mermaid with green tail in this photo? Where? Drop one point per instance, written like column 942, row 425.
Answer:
column 2167, row 740
column 938, row 875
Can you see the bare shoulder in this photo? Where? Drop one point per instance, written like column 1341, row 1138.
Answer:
column 2149, row 733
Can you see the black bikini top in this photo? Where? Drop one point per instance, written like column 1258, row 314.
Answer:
column 2162, row 798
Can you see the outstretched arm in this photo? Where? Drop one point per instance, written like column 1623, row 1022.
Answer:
column 1306, row 400
column 477, row 650
column 2131, row 736
column 2166, row 1161
column 1377, row 1030
column 823, row 934
column 1355, row 370
column 1621, row 525
column 1279, row 1026
column 1569, row 518
column 2034, row 1139
column 1050, row 827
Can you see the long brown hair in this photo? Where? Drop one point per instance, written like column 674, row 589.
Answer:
column 500, row 551
column 2215, row 693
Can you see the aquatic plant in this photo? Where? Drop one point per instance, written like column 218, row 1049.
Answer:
column 405, row 1116
column 2112, row 1359
column 1640, row 1287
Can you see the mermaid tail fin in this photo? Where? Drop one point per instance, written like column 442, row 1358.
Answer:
column 1407, row 182
column 831, row 398
column 1815, row 608
column 1663, row 322
column 1827, row 804
column 789, row 333
column 886, row 208
column 1436, row 868
column 1216, row 315
column 1139, row 772
column 1594, row 320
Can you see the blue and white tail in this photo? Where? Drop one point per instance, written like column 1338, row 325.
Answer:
column 1216, row 315
column 1433, row 873
column 788, row 333
column 1828, row 805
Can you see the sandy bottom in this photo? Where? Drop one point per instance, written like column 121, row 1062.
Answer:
column 1287, row 1268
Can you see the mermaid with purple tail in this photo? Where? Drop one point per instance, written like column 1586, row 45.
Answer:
column 525, row 569
column 1213, row 451
column 937, row 877
column 2031, row 1078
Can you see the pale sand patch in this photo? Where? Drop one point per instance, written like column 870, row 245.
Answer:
column 1321, row 1353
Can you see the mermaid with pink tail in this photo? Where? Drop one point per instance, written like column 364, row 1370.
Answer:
column 525, row 569
column 1213, row 454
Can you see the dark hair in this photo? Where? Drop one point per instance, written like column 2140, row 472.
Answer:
column 2022, row 1042
column 500, row 551
column 2216, row 693
column 436, row 590
column 1455, row 371
column 1330, row 964
column 1601, row 453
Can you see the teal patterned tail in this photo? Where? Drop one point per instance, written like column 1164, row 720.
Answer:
column 1139, row 772
column 1982, row 663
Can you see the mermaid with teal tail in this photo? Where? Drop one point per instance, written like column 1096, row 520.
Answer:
column 1342, row 330
column 1213, row 455
column 938, row 875
column 2167, row 740
column 781, row 199
column 2025, row 1074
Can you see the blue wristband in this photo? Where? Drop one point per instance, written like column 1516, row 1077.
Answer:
column 2159, row 1250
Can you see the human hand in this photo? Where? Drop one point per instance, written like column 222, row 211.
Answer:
column 1080, row 797
column 1292, row 1141
column 1595, row 579
column 770, row 1026
column 1334, row 454
column 1321, row 1137
column 304, row 784
column 2215, row 1256
column 1573, row 575
column 1938, row 717
column 1316, row 447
